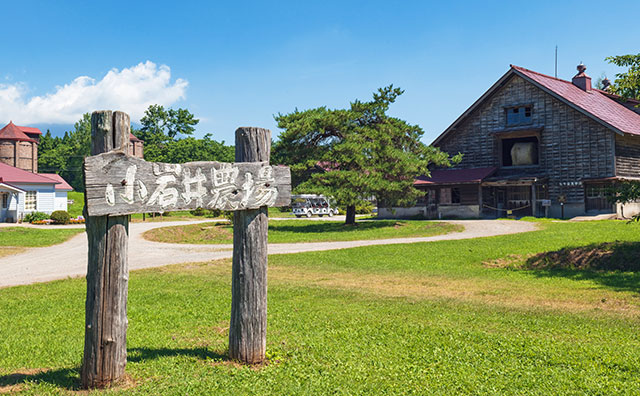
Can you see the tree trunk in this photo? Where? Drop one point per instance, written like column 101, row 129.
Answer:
column 105, row 342
column 248, row 328
column 351, row 215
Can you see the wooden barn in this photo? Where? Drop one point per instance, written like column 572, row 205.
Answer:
column 535, row 145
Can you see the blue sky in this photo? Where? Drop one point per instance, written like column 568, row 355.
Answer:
column 238, row 64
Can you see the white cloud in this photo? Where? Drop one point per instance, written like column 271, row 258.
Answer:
column 131, row 90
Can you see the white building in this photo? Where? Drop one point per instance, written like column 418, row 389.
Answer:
column 23, row 192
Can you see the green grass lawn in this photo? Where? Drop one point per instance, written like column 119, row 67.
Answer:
column 298, row 231
column 35, row 237
column 425, row 319
column 75, row 209
column 280, row 212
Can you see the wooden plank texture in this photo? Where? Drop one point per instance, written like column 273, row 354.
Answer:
column 118, row 184
column 105, row 348
column 248, row 328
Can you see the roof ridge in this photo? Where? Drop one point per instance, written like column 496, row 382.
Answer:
column 540, row 74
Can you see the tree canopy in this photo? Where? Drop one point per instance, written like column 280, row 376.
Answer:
column 356, row 153
column 626, row 84
column 162, row 132
column 65, row 155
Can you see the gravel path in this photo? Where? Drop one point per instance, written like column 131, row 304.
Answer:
column 69, row 259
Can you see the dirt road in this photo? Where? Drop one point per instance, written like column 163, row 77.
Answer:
column 69, row 259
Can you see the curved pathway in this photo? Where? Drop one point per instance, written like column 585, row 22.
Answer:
column 69, row 259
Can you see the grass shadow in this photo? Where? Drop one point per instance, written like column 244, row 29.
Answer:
column 615, row 265
column 135, row 355
column 65, row 378
column 69, row 378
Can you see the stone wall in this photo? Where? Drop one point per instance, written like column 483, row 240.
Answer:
column 136, row 149
column 8, row 152
column 25, row 158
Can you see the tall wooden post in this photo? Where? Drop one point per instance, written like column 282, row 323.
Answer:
column 105, row 342
column 248, row 328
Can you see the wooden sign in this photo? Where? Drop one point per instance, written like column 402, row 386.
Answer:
column 118, row 184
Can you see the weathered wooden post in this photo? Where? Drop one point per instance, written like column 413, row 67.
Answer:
column 117, row 184
column 105, row 342
column 248, row 328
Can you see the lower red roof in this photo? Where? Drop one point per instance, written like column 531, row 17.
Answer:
column 62, row 184
column 455, row 176
column 11, row 174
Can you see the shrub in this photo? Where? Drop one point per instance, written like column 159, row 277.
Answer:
column 35, row 216
column 214, row 213
column 365, row 208
column 60, row 217
column 228, row 215
column 198, row 211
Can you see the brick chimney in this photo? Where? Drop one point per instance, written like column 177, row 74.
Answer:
column 581, row 80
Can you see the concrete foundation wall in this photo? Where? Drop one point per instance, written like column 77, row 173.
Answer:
column 570, row 210
column 401, row 213
column 459, row 211
column 628, row 210
column 444, row 212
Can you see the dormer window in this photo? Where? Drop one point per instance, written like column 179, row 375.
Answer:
column 520, row 115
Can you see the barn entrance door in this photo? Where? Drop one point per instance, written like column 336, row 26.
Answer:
column 431, row 204
column 519, row 200
column 511, row 200
column 596, row 199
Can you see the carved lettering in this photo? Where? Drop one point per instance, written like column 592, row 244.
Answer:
column 129, row 183
column 118, row 184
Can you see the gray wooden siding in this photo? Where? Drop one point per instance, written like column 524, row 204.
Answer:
column 628, row 155
column 572, row 146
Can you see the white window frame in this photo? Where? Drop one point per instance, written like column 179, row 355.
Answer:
column 27, row 203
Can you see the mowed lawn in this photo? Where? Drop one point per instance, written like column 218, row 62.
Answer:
column 442, row 318
column 298, row 231
column 14, row 240
column 35, row 237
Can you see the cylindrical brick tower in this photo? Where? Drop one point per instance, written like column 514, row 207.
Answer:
column 19, row 147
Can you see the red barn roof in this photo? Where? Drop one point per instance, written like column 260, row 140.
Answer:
column 10, row 174
column 593, row 102
column 133, row 138
column 455, row 176
column 13, row 132
column 598, row 105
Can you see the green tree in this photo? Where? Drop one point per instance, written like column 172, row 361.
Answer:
column 161, row 131
column 161, row 126
column 356, row 153
column 627, row 84
column 192, row 149
column 65, row 155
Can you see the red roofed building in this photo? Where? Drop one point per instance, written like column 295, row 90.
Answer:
column 19, row 146
column 535, row 145
column 23, row 192
column 22, row 189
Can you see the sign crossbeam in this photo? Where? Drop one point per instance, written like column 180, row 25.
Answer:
column 117, row 184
